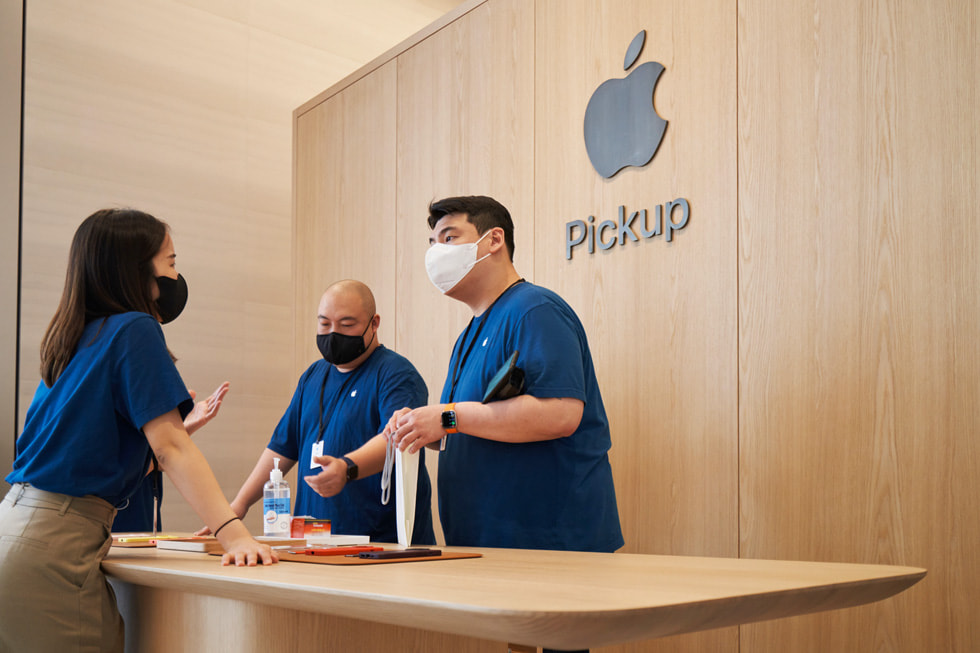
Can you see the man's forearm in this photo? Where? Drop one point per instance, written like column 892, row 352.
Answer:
column 520, row 419
column 251, row 490
column 370, row 457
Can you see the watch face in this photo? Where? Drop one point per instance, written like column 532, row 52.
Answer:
column 449, row 419
column 351, row 468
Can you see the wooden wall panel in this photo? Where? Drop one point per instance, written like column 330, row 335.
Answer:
column 794, row 375
column 660, row 315
column 465, row 127
column 183, row 108
column 347, row 147
column 149, row 108
column 858, row 310
column 11, row 62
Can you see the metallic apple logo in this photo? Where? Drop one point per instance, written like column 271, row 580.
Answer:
column 622, row 127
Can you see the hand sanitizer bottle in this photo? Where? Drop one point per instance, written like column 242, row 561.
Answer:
column 275, row 504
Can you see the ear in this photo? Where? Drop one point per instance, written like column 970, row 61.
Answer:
column 376, row 321
column 497, row 239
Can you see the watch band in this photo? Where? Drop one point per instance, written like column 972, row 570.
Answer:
column 351, row 468
column 449, row 418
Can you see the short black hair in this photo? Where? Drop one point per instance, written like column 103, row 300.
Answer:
column 481, row 211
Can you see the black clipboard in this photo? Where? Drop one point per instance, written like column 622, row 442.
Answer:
column 507, row 382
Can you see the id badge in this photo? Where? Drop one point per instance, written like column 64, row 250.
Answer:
column 317, row 450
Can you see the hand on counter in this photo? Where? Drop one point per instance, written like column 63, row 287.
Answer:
column 241, row 549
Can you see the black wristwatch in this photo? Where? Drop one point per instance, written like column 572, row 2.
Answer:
column 351, row 468
column 449, row 419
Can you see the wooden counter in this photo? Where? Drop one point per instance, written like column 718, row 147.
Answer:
column 536, row 598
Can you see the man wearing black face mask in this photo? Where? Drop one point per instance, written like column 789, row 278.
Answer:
column 333, row 423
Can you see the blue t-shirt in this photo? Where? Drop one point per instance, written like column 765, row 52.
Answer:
column 139, row 513
column 554, row 494
column 356, row 406
column 83, row 434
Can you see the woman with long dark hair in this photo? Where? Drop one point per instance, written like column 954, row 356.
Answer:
column 109, row 400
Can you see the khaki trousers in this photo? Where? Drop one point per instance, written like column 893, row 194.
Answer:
column 53, row 594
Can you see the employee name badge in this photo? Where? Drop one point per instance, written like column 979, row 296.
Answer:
column 317, row 450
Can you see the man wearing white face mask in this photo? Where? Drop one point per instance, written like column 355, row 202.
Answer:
column 532, row 470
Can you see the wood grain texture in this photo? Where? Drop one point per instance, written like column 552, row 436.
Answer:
column 794, row 376
column 660, row 316
column 346, row 203
column 858, row 309
column 465, row 127
column 11, row 60
column 454, row 9
column 557, row 599
column 162, row 620
column 183, row 108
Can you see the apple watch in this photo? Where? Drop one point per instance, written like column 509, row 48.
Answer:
column 351, row 468
column 449, row 419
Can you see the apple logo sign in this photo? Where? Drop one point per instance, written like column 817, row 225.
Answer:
column 622, row 127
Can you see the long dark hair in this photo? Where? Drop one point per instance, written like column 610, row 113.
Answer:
column 110, row 270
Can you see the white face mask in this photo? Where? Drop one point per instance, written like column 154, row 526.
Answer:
column 448, row 264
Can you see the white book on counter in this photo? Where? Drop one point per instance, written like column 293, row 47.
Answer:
column 212, row 545
column 335, row 540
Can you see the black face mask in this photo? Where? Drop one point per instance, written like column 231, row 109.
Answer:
column 172, row 299
column 340, row 349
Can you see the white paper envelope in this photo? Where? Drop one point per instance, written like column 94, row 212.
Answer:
column 406, row 484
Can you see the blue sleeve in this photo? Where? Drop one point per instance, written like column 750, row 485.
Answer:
column 400, row 386
column 286, row 437
column 147, row 382
column 551, row 353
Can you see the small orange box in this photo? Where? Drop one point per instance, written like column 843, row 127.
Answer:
column 304, row 527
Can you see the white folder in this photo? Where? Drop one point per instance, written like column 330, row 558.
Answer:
column 406, row 485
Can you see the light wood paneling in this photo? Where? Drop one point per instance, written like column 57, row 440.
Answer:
column 794, row 376
column 660, row 316
column 11, row 28
column 169, row 620
column 346, row 148
column 454, row 9
column 859, row 309
column 183, row 108
column 465, row 127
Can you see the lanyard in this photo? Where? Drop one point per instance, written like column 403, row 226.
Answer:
column 461, row 361
column 340, row 397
